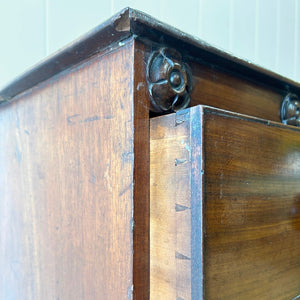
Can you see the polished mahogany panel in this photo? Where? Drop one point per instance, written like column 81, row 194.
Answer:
column 227, row 186
column 229, row 91
column 67, row 185
column 133, row 23
column 75, row 172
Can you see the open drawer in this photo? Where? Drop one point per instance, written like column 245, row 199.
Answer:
column 225, row 207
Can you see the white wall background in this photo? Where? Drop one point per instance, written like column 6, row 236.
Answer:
column 266, row 32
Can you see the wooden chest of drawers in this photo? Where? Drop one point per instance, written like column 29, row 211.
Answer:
column 142, row 163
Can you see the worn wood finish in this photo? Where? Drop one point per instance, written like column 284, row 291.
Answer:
column 141, row 224
column 75, row 173
column 227, row 91
column 67, row 185
column 249, row 169
column 104, row 36
column 170, row 213
column 209, row 83
column 224, row 88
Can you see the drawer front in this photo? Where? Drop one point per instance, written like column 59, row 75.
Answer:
column 225, row 207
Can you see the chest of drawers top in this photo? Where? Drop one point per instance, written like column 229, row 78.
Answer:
column 211, row 77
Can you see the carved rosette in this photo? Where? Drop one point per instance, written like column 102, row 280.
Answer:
column 290, row 110
column 169, row 81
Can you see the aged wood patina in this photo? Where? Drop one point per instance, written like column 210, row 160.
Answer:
column 87, row 211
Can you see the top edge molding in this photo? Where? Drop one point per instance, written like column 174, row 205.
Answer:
column 130, row 22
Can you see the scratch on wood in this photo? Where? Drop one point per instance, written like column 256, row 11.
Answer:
column 107, row 178
column 187, row 147
column 180, row 117
column 69, row 119
column 126, row 189
column 73, row 119
column 179, row 207
column 181, row 256
column 127, row 156
column 143, row 104
column 18, row 154
column 132, row 224
column 93, row 179
column 178, row 122
column 179, row 161
column 130, row 291
column 91, row 119
column 139, row 85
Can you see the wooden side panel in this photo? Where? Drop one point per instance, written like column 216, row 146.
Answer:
column 175, row 207
column 66, row 182
column 249, row 205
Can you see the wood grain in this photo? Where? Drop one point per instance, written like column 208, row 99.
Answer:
column 141, row 238
column 67, row 164
column 172, row 249
column 132, row 23
column 220, row 87
column 232, row 92
column 241, row 179
column 252, row 211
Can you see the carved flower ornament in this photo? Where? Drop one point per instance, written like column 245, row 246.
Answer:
column 290, row 110
column 169, row 80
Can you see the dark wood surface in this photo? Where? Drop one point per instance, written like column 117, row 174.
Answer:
column 103, row 37
column 249, row 172
column 227, row 91
column 75, row 173
column 141, row 238
column 132, row 23
column 69, row 186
